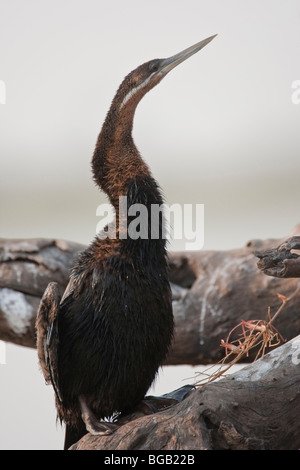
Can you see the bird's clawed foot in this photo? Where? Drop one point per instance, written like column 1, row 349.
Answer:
column 148, row 406
column 92, row 424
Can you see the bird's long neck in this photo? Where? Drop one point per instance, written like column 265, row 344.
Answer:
column 116, row 158
column 118, row 167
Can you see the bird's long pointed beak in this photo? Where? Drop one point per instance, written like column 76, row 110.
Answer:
column 168, row 64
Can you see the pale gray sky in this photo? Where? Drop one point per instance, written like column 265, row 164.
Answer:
column 221, row 129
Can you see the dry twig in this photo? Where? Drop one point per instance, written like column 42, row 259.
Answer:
column 261, row 334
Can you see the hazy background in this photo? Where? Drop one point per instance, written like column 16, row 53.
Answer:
column 221, row 129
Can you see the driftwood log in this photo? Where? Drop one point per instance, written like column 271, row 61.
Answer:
column 212, row 292
column 256, row 408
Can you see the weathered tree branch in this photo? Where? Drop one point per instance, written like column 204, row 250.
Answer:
column 280, row 261
column 212, row 292
column 26, row 268
column 256, row 408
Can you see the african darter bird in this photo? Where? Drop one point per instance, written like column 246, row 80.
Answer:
column 102, row 343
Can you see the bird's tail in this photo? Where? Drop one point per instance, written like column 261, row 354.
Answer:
column 73, row 435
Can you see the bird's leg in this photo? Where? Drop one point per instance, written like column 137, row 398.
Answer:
column 92, row 424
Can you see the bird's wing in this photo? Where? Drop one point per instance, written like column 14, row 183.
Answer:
column 47, row 335
column 69, row 291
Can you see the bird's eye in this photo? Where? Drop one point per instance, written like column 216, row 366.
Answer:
column 154, row 67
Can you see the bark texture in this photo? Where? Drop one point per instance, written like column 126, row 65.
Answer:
column 281, row 261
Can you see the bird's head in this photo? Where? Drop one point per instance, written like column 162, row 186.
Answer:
column 146, row 76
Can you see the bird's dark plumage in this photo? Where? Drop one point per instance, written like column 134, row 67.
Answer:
column 101, row 344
